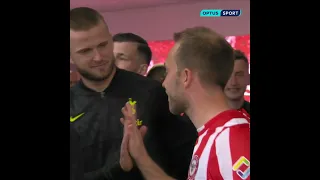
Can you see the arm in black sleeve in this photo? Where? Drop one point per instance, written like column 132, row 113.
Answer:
column 76, row 161
column 178, row 134
column 113, row 172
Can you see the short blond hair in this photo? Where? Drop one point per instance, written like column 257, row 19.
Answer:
column 84, row 18
column 207, row 52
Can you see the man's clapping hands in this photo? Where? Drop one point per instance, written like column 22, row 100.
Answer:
column 132, row 146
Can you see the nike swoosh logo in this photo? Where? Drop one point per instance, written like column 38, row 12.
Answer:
column 72, row 119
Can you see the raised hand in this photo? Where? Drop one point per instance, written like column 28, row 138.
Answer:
column 135, row 145
column 125, row 159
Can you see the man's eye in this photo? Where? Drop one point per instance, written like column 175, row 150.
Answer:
column 84, row 51
column 103, row 44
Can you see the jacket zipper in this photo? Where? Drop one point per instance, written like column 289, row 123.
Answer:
column 102, row 94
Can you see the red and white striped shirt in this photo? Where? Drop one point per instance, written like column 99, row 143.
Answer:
column 222, row 151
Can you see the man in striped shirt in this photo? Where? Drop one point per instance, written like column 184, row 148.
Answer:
column 198, row 68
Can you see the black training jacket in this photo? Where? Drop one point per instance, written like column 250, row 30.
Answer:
column 96, row 117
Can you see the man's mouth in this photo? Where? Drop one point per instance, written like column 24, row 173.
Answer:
column 234, row 89
column 96, row 66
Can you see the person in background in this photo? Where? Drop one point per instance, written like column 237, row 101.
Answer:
column 198, row 68
column 238, row 82
column 96, row 102
column 157, row 72
column 132, row 53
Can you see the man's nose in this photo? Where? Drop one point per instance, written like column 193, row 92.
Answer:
column 233, row 80
column 97, row 55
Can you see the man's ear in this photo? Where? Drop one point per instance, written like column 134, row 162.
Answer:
column 143, row 69
column 71, row 61
column 187, row 77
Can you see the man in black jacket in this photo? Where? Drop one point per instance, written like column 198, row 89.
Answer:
column 238, row 82
column 96, row 102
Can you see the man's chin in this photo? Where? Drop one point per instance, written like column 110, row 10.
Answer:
column 235, row 98
column 95, row 77
column 175, row 111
